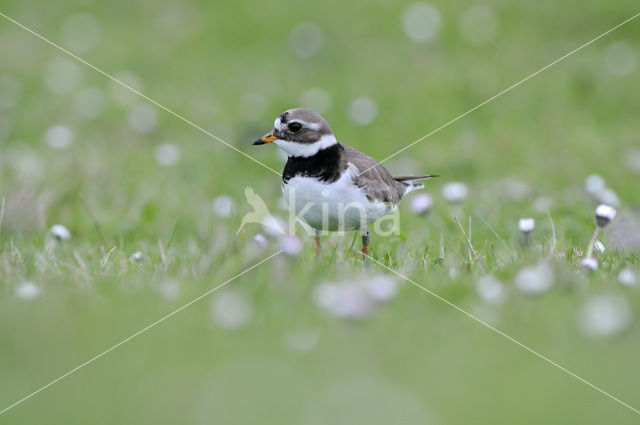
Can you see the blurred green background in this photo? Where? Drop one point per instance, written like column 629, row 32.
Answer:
column 76, row 149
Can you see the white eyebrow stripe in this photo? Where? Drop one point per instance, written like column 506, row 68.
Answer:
column 311, row 125
column 278, row 125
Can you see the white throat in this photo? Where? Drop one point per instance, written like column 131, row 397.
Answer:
column 306, row 149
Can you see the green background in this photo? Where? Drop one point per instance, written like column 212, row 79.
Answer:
column 416, row 360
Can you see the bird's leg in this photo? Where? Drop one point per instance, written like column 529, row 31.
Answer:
column 365, row 244
column 318, row 245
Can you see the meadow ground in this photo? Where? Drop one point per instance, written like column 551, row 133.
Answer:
column 295, row 339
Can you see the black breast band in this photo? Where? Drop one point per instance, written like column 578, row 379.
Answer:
column 324, row 165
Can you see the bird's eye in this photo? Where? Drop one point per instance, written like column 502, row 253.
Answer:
column 294, row 127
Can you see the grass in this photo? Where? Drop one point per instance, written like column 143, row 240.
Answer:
column 415, row 359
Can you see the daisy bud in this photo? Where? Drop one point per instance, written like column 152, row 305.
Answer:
column 604, row 215
column 136, row 257
column 599, row 246
column 60, row 232
column 590, row 263
column 526, row 225
column 421, row 203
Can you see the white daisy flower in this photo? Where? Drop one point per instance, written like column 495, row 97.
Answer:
column 604, row 215
column 421, row 203
column 590, row 263
column 291, row 245
column 526, row 225
column 60, row 232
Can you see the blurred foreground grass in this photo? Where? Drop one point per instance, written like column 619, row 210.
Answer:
column 124, row 177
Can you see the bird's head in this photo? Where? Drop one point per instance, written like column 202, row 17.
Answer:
column 299, row 132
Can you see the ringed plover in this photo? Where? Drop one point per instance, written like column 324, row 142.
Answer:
column 329, row 185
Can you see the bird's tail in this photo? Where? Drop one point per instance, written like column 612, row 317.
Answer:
column 414, row 177
column 412, row 181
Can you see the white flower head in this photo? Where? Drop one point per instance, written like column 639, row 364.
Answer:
column 142, row 118
column 604, row 215
column 381, row 287
column 421, row 203
column 594, row 184
column 80, row 32
column 136, row 257
column 453, row 273
column 620, row 59
column 167, row 154
column 455, row 192
column 59, row 137
column 490, row 289
column 627, row 277
column 60, row 232
column 231, row 309
column 27, row 291
column 590, row 263
column 363, row 110
column 224, row 206
column 291, row 245
column 260, row 239
column 605, row 315
column 169, row 289
column 306, row 39
column 62, row 75
column 344, row 300
column 526, row 225
column 421, row 22
column 535, row 280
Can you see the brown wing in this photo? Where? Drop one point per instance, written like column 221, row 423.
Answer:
column 375, row 180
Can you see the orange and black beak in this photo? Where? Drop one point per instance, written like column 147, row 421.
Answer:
column 267, row 138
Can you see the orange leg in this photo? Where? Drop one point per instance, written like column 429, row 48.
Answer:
column 365, row 244
column 318, row 245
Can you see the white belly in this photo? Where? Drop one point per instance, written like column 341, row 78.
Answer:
column 340, row 205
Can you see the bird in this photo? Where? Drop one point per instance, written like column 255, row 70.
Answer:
column 331, row 186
